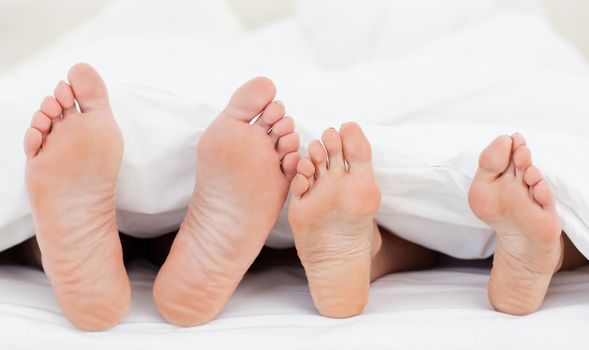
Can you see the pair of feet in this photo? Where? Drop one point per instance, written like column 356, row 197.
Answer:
column 245, row 166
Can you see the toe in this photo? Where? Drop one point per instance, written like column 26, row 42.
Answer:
column 289, row 164
column 318, row 157
column 306, row 167
column 41, row 122
column 518, row 140
column 543, row 195
column 50, row 107
column 273, row 113
column 250, row 99
column 282, row 127
column 333, row 146
column 532, row 176
column 288, row 144
column 494, row 159
column 356, row 148
column 522, row 159
column 65, row 96
column 299, row 185
column 32, row 142
column 88, row 87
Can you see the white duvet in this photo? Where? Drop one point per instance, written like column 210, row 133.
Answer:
column 427, row 114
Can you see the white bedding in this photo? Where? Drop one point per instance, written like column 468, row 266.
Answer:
column 444, row 308
column 510, row 70
column 522, row 78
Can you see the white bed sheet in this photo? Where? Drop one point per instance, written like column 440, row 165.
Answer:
column 445, row 308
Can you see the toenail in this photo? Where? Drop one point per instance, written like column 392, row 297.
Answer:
column 278, row 102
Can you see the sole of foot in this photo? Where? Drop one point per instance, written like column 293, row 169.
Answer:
column 73, row 160
column 334, row 199
column 245, row 161
column 510, row 194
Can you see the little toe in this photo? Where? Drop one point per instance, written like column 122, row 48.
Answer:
column 271, row 114
column 318, row 157
column 32, row 142
column 50, row 107
column 88, row 87
column 41, row 122
column 289, row 164
column 249, row 100
column 288, row 144
column 356, row 148
column 532, row 176
column 65, row 96
column 333, row 146
column 299, row 185
column 495, row 159
column 282, row 127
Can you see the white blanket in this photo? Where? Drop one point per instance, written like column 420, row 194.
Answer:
column 510, row 71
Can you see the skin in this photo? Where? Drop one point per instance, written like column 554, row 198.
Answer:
column 236, row 200
column 510, row 194
column 73, row 159
column 243, row 171
column 334, row 199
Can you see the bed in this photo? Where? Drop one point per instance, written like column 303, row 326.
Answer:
column 443, row 308
column 491, row 73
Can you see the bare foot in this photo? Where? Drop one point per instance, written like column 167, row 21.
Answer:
column 510, row 195
column 73, row 160
column 242, row 176
column 334, row 200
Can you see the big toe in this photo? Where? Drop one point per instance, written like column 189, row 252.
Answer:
column 251, row 99
column 88, row 87
column 356, row 148
column 494, row 159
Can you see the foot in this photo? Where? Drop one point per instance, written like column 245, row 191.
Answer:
column 334, row 199
column 73, row 159
column 243, row 171
column 509, row 194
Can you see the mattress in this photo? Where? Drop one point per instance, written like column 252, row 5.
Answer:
column 272, row 309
